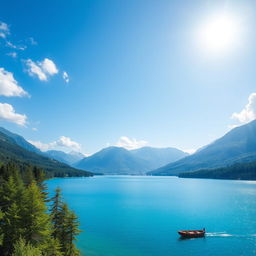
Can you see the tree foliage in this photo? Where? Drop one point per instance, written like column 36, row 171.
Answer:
column 238, row 171
column 27, row 226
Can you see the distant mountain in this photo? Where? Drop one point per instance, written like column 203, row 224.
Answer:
column 67, row 158
column 238, row 171
column 157, row 157
column 10, row 150
column 19, row 140
column 237, row 146
column 117, row 160
column 114, row 160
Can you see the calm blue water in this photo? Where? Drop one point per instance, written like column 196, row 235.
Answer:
column 139, row 216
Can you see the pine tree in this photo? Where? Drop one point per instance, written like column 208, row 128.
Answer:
column 12, row 226
column 52, row 248
column 56, row 213
column 11, row 194
column 28, row 176
column 8, row 193
column 36, row 219
column 21, row 248
column 65, row 225
column 71, row 231
column 25, row 224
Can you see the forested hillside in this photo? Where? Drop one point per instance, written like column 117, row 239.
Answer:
column 239, row 171
column 27, row 226
column 10, row 150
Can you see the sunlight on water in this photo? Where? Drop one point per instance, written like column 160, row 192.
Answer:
column 140, row 216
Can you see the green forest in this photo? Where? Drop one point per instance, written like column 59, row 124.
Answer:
column 238, row 171
column 32, row 223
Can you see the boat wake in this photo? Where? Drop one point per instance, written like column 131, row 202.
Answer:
column 218, row 234
column 224, row 234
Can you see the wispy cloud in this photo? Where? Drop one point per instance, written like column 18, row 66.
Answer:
column 39, row 145
column 17, row 47
column 12, row 54
column 248, row 113
column 7, row 113
column 4, row 26
column 32, row 41
column 9, row 86
column 4, row 29
column 65, row 76
column 130, row 143
column 42, row 69
column 2, row 35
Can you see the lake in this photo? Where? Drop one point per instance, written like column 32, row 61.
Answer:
column 140, row 216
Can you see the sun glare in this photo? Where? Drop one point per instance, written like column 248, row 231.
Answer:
column 219, row 33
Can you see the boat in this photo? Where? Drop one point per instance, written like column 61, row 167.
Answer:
column 192, row 233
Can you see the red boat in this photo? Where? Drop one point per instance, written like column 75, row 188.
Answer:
column 192, row 233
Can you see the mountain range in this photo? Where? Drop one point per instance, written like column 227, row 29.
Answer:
column 237, row 146
column 117, row 160
column 228, row 157
column 15, row 148
column 70, row 158
column 111, row 160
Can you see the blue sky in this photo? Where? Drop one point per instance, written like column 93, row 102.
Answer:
column 138, row 72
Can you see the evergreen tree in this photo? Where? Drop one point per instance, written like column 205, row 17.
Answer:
column 11, row 194
column 56, row 214
column 40, row 178
column 36, row 219
column 12, row 226
column 28, row 176
column 71, row 231
column 65, row 225
column 26, row 227
column 21, row 248
column 52, row 248
column 8, row 194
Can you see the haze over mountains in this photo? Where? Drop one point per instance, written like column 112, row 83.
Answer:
column 70, row 158
column 16, row 148
column 111, row 160
column 237, row 146
column 117, row 160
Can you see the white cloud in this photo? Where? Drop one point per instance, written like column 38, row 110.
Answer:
column 3, row 35
column 62, row 142
column 18, row 47
column 7, row 112
column 42, row 69
column 190, row 151
column 248, row 113
column 9, row 86
column 40, row 145
column 4, row 29
column 130, row 143
column 4, row 26
column 12, row 54
column 49, row 67
column 34, row 69
column 34, row 129
column 65, row 76
column 32, row 41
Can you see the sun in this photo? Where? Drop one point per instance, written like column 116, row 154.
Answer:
column 219, row 33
